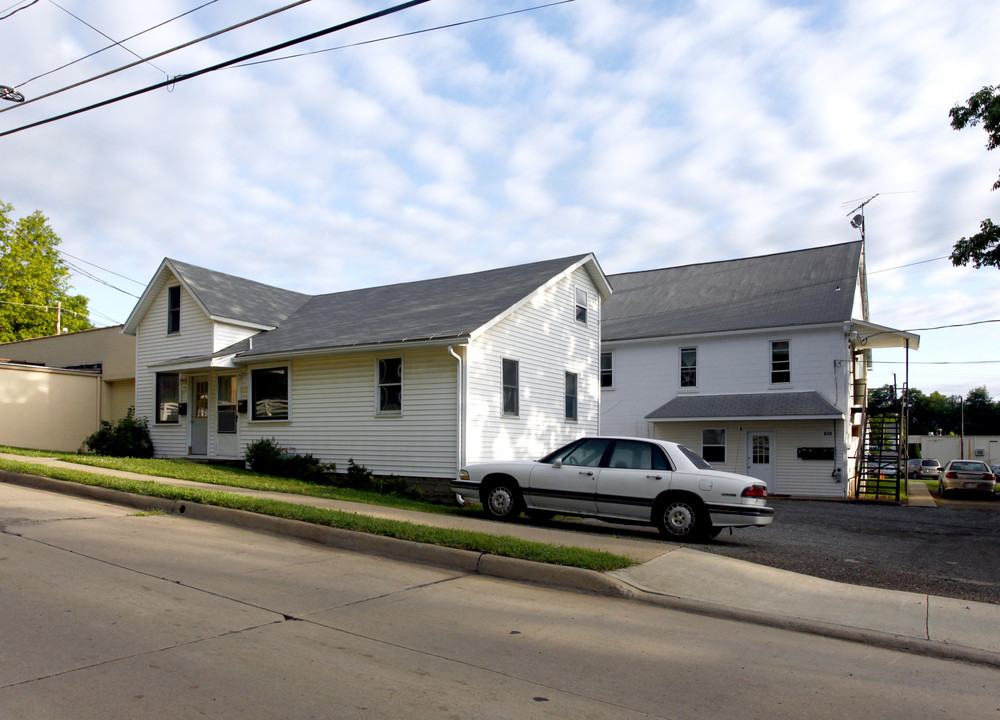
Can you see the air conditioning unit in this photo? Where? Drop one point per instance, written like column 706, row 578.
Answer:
column 980, row 453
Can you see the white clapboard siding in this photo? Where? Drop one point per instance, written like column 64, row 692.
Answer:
column 792, row 476
column 153, row 346
column 332, row 414
column 547, row 341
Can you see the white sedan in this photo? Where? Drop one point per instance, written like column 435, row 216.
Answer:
column 620, row 480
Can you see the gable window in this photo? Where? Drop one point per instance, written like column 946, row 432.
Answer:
column 581, row 305
column 173, row 309
column 713, row 445
column 689, row 367
column 607, row 370
column 571, row 399
column 390, row 385
column 168, row 397
column 269, row 391
column 781, row 362
column 510, row 387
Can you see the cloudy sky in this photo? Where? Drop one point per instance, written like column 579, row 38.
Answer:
column 652, row 133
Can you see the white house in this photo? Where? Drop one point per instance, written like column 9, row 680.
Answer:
column 411, row 379
column 757, row 363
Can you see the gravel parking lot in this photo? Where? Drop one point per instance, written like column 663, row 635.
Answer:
column 952, row 551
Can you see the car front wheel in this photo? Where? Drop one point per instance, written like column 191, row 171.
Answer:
column 683, row 518
column 502, row 500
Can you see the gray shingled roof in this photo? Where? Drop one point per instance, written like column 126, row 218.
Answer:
column 450, row 307
column 235, row 298
column 769, row 405
column 785, row 289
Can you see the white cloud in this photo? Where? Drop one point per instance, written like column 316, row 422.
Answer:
column 651, row 133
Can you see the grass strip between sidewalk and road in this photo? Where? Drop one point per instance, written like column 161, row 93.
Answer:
column 504, row 545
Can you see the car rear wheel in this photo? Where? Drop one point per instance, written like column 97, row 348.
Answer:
column 682, row 518
column 502, row 499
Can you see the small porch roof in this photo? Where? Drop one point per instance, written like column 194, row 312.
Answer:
column 755, row 406
column 868, row 335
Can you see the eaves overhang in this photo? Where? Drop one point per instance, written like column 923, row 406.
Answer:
column 250, row 357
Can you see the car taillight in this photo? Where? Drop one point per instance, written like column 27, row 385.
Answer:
column 755, row 491
column 951, row 475
column 988, row 477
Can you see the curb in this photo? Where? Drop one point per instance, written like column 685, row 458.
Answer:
column 468, row 561
column 476, row 563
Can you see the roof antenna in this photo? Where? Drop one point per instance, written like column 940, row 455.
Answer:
column 858, row 221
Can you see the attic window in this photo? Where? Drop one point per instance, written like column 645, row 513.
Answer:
column 173, row 309
column 581, row 305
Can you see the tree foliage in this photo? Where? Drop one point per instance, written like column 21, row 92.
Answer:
column 34, row 280
column 983, row 108
column 941, row 414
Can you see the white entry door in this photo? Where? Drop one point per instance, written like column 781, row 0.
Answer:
column 199, row 416
column 760, row 457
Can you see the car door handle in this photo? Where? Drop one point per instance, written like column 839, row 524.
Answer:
column 586, row 472
column 654, row 477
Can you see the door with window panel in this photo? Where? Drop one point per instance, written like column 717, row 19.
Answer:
column 226, row 418
column 760, row 457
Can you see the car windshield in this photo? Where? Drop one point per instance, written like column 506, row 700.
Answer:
column 695, row 458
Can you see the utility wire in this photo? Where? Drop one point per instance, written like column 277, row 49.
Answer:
column 108, row 47
column 407, row 34
column 14, row 12
column 153, row 57
column 123, row 277
column 77, row 17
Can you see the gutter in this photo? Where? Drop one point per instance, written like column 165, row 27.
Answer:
column 458, row 410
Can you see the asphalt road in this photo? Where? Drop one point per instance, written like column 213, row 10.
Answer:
column 111, row 614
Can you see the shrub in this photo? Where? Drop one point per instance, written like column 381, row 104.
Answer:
column 360, row 477
column 129, row 437
column 267, row 457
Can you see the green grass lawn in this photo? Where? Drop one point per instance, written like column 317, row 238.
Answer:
column 479, row 542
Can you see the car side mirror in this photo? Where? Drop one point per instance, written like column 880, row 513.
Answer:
column 557, row 464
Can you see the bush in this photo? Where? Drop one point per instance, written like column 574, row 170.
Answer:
column 267, row 457
column 129, row 437
column 361, row 478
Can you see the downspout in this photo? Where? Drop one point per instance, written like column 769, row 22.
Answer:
column 458, row 412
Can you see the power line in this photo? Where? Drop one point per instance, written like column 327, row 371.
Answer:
column 153, row 57
column 189, row 76
column 123, row 277
column 119, row 44
column 14, row 12
column 408, row 34
column 108, row 47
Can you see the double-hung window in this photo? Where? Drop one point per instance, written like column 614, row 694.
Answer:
column 581, row 305
column 173, row 309
column 571, row 396
column 511, row 390
column 168, row 397
column 390, row 386
column 689, row 367
column 607, row 370
column 713, row 445
column 781, row 362
column 269, row 390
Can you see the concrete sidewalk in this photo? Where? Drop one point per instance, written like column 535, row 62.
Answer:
column 669, row 574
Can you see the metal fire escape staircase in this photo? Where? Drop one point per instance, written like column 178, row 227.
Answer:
column 879, row 464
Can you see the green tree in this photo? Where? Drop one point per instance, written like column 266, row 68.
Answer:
column 983, row 107
column 34, row 280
